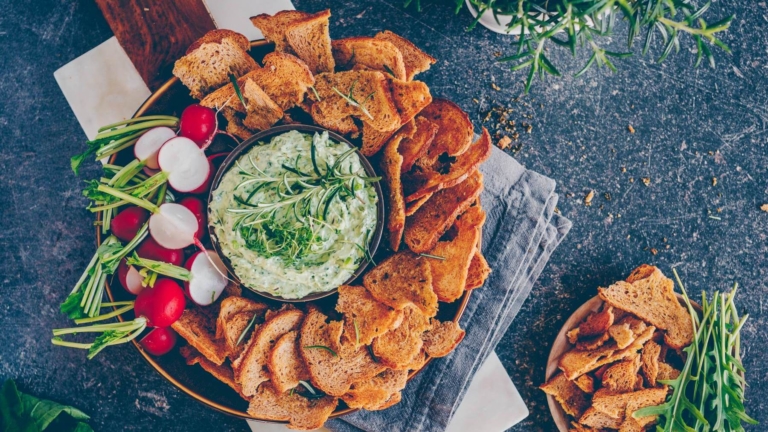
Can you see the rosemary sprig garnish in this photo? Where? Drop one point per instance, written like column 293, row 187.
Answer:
column 709, row 392
column 233, row 80
column 350, row 99
column 247, row 328
column 437, row 257
column 389, row 71
column 314, row 90
column 357, row 333
column 322, row 347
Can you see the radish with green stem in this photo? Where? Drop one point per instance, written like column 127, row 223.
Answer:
column 159, row 341
column 185, row 165
column 131, row 278
column 149, row 144
column 160, row 306
column 199, row 124
column 128, row 222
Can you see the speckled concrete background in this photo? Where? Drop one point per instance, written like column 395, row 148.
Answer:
column 690, row 126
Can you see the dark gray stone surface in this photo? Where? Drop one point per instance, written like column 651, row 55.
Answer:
column 691, row 126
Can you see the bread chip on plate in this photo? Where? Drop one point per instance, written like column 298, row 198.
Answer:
column 435, row 217
column 598, row 420
column 286, row 367
column 252, row 370
column 364, row 317
column 274, row 27
column 301, row 413
column 199, row 330
column 573, row 400
column 208, row 66
column 361, row 94
column 416, row 60
column 378, row 392
column 650, row 357
column 399, row 347
column 652, row 298
column 333, row 368
column 409, row 99
column 442, row 337
column 454, row 134
column 233, row 329
column 216, row 36
column 402, row 280
column 592, row 343
column 233, row 305
column 621, row 377
column 615, row 404
column 390, row 164
column 442, row 175
column 449, row 274
column 415, row 146
column 478, row 271
column 261, row 111
column 222, row 373
column 586, row 383
column 578, row 362
column 367, row 53
column 311, row 41
column 285, row 78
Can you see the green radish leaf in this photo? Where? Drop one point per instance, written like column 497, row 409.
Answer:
column 101, row 342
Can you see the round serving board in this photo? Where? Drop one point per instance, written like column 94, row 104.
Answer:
column 171, row 99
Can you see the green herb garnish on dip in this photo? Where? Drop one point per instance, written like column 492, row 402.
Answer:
column 295, row 215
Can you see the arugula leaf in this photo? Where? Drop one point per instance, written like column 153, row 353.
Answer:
column 20, row 412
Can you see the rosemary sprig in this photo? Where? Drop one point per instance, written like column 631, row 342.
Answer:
column 233, row 80
column 709, row 393
column 437, row 257
column 323, row 347
column 350, row 99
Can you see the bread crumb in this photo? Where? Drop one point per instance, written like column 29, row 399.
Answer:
column 764, row 208
column 607, row 196
column 623, row 169
column 631, row 129
column 654, row 251
column 714, row 181
column 495, row 87
column 647, row 181
column 588, row 198
column 504, row 142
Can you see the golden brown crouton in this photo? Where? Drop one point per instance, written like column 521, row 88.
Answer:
column 621, row 377
column 578, row 362
column 391, row 163
column 364, row 317
column 416, row 60
column 414, row 147
column 199, row 330
column 286, row 367
column 615, row 404
column 285, row 78
column 454, row 134
column 399, row 347
column 403, row 280
column 367, row 53
column 442, row 338
column 310, row 40
column 598, row 420
column 222, row 372
column 301, row 413
column 570, row 397
column 274, row 27
column 586, row 383
column 478, row 271
column 378, row 392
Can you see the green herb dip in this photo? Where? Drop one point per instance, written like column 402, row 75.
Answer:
column 290, row 227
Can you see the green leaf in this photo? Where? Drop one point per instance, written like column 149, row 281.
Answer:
column 104, row 339
column 82, row 427
column 71, row 306
column 43, row 412
column 233, row 80
column 21, row 412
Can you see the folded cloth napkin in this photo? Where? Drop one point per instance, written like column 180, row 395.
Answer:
column 520, row 233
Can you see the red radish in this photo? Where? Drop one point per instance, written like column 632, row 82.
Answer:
column 162, row 304
column 199, row 124
column 205, row 187
column 173, row 226
column 149, row 144
column 185, row 164
column 149, row 249
column 129, row 278
column 150, row 172
column 128, row 222
column 208, row 277
column 196, row 206
column 159, row 341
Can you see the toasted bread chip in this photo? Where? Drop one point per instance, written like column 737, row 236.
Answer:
column 390, row 163
column 233, row 305
column 615, row 404
column 651, row 352
column 403, row 280
column 310, row 40
column 222, row 373
column 424, row 182
column 570, row 397
column 592, row 343
column 252, row 370
column 409, row 98
column 597, row 323
column 233, row 330
column 449, row 275
column 259, row 112
column 454, row 134
column 199, row 330
column 364, row 317
column 216, row 36
column 622, row 334
column 478, row 271
column 415, row 146
column 370, row 100
column 377, row 393
column 442, row 338
column 262, row 112
column 367, row 53
column 432, row 220
column 578, row 362
column 416, row 60
column 274, row 27
column 285, row 78
column 598, row 420
column 333, row 372
column 586, row 383
column 399, row 347
column 621, row 377
column 578, row 427
column 300, row 412
column 412, row 207
column 419, row 361
column 208, row 67
column 286, row 367
column 652, row 298
column 667, row 372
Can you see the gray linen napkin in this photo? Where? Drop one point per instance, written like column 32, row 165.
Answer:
column 520, row 233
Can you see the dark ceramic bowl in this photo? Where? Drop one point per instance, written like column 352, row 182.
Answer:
column 265, row 136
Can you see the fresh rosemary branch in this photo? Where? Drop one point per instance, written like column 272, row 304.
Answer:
column 586, row 23
column 709, row 393
column 350, row 99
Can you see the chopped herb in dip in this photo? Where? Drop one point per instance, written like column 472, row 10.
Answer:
column 295, row 215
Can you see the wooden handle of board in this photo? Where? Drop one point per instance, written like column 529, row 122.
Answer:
column 154, row 33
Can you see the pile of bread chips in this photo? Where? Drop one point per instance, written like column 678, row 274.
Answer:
column 295, row 363
column 621, row 353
